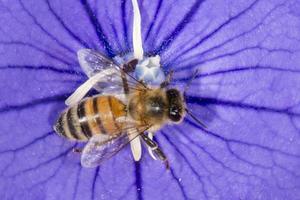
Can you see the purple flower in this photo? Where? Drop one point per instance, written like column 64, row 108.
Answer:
column 247, row 94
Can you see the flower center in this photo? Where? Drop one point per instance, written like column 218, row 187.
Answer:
column 150, row 71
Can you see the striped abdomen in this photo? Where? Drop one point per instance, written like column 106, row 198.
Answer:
column 94, row 115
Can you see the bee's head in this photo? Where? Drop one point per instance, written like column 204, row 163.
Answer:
column 176, row 102
column 175, row 105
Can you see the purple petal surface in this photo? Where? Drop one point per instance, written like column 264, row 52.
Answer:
column 247, row 94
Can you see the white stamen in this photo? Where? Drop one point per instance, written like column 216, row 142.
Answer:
column 137, row 32
column 83, row 89
column 135, row 144
column 136, row 148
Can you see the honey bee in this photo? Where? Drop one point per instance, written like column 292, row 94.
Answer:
column 123, row 111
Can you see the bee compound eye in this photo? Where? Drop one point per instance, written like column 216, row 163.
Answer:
column 174, row 114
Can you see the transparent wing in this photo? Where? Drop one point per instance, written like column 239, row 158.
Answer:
column 102, row 147
column 106, row 82
column 104, row 75
column 93, row 62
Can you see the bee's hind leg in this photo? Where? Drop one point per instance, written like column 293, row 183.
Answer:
column 156, row 150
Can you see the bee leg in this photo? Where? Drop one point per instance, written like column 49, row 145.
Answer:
column 130, row 66
column 156, row 150
column 150, row 135
column 168, row 80
column 77, row 150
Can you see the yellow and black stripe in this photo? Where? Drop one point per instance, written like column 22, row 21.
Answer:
column 98, row 120
column 95, row 115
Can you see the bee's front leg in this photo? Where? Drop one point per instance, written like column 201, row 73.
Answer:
column 150, row 135
column 156, row 150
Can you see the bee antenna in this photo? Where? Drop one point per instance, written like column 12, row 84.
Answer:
column 187, row 86
column 195, row 118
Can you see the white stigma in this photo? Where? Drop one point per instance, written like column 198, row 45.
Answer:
column 148, row 69
column 137, row 32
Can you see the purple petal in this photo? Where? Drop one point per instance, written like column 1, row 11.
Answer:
column 247, row 94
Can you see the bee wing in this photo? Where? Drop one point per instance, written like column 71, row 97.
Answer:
column 104, row 75
column 102, row 147
column 93, row 62
column 107, row 80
